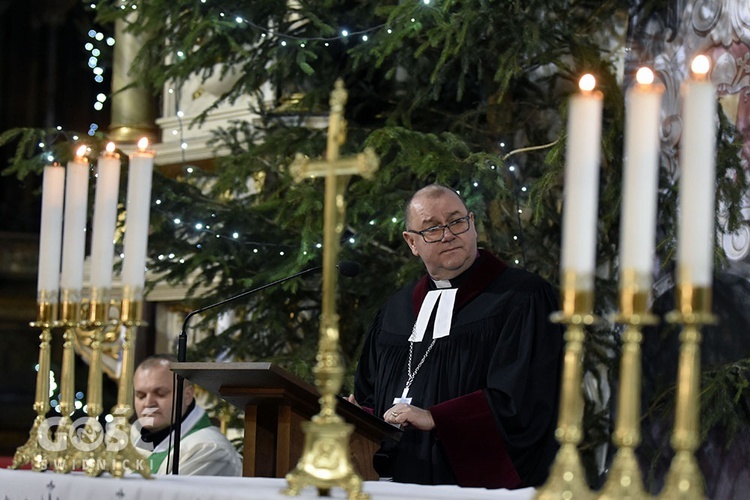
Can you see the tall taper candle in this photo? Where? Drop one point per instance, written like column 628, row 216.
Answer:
column 50, row 236
column 74, row 230
column 105, row 218
column 581, row 192
column 697, row 179
column 137, row 219
column 641, row 177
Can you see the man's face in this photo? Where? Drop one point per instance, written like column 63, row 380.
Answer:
column 152, row 387
column 452, row 255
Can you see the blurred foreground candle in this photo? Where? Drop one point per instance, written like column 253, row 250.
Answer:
column 105, row 218
column 641, row 177
column 74, row 231
column 581, row 192
column 697, row 179
column 140, row 170
column 50, row 236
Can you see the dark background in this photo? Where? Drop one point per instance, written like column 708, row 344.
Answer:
column 45, row 81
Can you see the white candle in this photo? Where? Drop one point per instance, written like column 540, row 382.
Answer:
column 50, row 236
column 697, row 179
column 74, row 231
column 641, row 177
column 137, row 220
column 581, row 192
column 105, row 218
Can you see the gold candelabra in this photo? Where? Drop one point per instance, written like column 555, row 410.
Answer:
column 684, row 480
column 93, row 450
column 624, row 479
column 566, row 478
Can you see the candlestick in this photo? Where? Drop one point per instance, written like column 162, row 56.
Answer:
column 105, row 218
column 50, row 236
column 581, row 194
column 74, row 231
column 697, row 179
column 137, row 220
column 641, row 177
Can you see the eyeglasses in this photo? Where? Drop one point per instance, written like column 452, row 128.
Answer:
column 437, row 233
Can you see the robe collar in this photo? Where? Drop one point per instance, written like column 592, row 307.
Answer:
column 156, row 437
column 470, row 283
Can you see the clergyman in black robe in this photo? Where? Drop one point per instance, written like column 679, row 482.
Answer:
column 481, row 404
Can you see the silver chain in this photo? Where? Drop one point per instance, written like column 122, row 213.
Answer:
column 421, row 362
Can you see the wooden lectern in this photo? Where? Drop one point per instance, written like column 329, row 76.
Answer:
column 276, row 402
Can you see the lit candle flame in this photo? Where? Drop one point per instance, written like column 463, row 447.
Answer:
column 587, row 82
column 110, row 147
column 143, row 143
column 644, row 76
column 81, row 152
column 700, row 66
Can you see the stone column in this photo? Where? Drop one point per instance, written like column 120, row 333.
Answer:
column 134, row 108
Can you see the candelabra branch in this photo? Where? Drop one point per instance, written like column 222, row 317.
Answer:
column 91, row 447
column 121, row 453
column 567, row 479
column 63, row 457
column 624, row 479
column 684, row 480
column 33, row 451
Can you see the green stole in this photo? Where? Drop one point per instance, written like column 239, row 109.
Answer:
column 156, row 458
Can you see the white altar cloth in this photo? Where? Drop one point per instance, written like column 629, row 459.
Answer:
column 28, row 485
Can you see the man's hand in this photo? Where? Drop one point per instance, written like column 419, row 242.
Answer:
column 352, row 400
column 409, row 416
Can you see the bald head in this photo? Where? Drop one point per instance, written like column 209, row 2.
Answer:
column 430, row 192
column 153, row 390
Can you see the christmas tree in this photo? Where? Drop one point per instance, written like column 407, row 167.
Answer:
column 472, row 95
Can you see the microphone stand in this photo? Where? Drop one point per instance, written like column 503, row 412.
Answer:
column 181, row 355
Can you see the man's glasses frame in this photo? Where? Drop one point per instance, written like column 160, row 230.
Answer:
column 433, row 231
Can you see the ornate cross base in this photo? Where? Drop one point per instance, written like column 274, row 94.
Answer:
column 325, row 461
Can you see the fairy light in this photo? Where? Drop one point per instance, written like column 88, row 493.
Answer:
column 95, row 55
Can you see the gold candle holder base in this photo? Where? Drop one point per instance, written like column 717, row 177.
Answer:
column 121, row 455
column 325, row 460
column 33, row 452
column 624, row 479
column 684, row 480
column 567, row 479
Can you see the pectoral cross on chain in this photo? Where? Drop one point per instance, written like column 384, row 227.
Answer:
column 403, row 398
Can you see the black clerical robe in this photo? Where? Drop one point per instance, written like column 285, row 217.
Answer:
column 492, row 385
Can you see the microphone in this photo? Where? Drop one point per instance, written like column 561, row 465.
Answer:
column 346, row 268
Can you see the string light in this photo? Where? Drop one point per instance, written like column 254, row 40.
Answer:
column 95, row 53
column 344, row 34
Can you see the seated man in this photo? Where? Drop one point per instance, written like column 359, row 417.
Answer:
column 204, row 450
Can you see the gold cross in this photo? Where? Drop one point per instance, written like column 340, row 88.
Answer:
column 337, row 172
column 325, row 456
